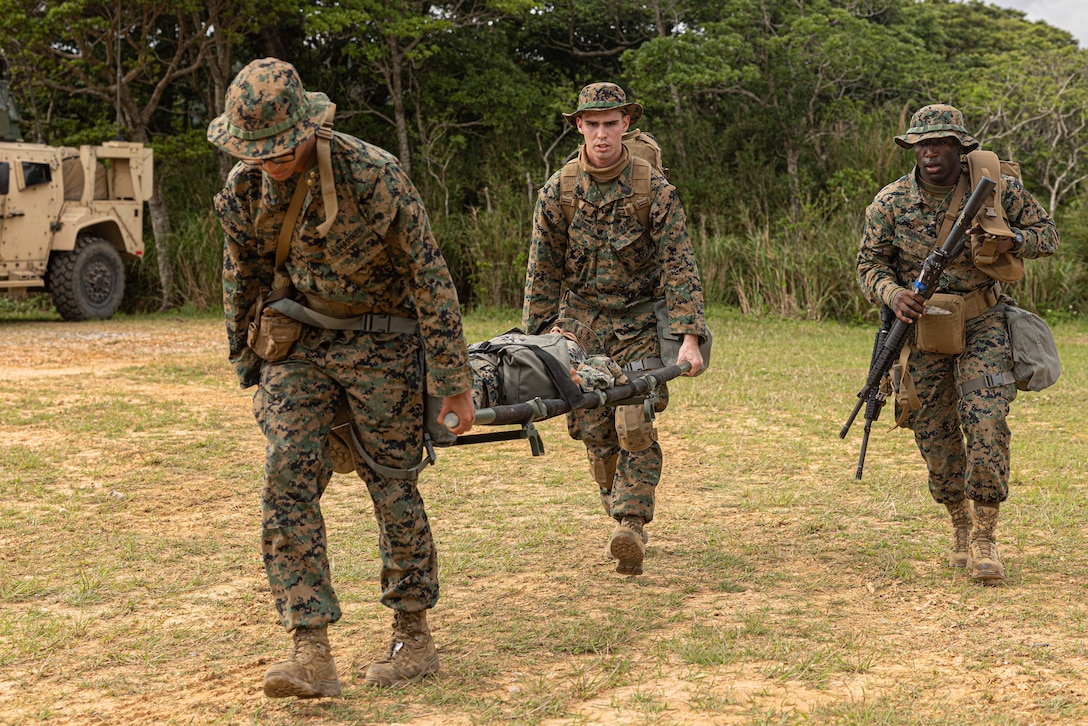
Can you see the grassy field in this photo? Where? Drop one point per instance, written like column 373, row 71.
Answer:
column 778, row 589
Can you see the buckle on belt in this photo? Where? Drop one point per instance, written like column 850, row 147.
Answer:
column 371, row 323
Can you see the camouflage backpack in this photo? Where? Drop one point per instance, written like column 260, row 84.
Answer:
column 645, row 154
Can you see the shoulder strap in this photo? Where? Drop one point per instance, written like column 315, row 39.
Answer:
column 328, row 188
column 568, row 181
column 287, row 229
column 641, row 171
column 953, row 210
column 640, row 180
column 324, row 166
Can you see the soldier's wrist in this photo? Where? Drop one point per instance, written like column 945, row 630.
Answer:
column 889, row 296
column 1017, row 241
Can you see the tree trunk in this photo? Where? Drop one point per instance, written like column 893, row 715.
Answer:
column 396, row 83
column 793, row 170
column 160, row 226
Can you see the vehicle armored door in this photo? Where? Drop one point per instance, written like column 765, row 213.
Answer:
column 31, row 208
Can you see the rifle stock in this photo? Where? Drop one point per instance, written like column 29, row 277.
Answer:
column 885, row 353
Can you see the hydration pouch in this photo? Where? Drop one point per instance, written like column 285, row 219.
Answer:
column 941, row 329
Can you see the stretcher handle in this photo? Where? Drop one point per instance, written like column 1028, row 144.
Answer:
column 542, row 408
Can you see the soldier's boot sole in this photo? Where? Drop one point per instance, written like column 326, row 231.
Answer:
column 608, row 545
column 626, row 546
column 280, row 684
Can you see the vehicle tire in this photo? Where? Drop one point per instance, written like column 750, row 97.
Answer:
column 88, row 282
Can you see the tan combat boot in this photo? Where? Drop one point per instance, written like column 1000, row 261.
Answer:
column 628, row 546
column 961, row 532
column 608, row 545
column 310, row 672
column 982, row 558
column 411, row 653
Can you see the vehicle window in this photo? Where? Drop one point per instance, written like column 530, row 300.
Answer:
column 5, row 174
column 35, row 173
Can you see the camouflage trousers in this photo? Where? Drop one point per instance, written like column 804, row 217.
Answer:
column 637, row 473
column 965, row 441
column 295, row 404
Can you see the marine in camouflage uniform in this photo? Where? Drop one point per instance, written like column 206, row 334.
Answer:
column 372, row 253
column 612, row 269
column 960, row 426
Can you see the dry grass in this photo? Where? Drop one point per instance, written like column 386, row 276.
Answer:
column 777, row 588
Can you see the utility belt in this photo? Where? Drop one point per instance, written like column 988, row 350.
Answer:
column 278, row 325
column 321, row 313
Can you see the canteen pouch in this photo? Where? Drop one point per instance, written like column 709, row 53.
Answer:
column 271, row 333
column 941, row 329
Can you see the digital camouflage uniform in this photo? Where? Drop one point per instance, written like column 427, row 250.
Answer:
column 964, row 441
column 379, row 256
column 613, row 269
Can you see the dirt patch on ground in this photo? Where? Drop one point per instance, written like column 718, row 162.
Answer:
column 777, row 589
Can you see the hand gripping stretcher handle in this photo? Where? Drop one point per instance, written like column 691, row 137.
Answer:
column 539, row 409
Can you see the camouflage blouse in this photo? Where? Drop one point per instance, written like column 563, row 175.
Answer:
column 607, row 259
column 901, row 229
column 379, row 255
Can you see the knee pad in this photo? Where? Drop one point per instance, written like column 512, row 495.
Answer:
column 634, row 428
column 604, row 470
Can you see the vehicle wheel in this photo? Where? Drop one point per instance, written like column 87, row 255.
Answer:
column 88, row 282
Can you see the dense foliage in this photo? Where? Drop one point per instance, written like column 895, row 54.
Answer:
column 776, row 117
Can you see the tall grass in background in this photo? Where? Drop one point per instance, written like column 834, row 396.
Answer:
column 486, row 248
column 796, row 267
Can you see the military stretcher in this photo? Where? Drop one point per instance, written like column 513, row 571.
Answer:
column 640, row 388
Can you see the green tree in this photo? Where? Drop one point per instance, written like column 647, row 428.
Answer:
column 128, row 56
column 796, row 70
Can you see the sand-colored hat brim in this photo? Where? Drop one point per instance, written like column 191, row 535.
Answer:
column 269, row 143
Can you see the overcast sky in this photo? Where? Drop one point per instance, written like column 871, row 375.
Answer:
column 1071, row 15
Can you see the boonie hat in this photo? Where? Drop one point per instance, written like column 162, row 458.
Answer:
column 936, row 121
column 604, row 97
column 268, row 113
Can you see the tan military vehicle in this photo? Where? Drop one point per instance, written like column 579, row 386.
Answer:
column 68, row 217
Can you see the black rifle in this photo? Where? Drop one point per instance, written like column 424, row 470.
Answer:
column 884, row 354
column 877, row 396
